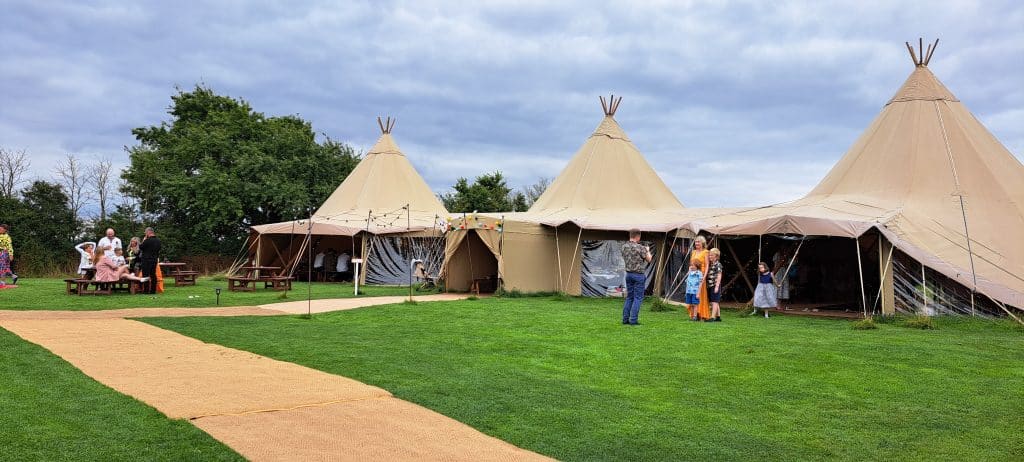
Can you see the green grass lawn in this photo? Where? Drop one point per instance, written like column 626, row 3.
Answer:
column 49, row 410
column 48, row 294
column 564, row 378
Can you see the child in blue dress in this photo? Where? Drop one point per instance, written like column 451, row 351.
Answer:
column 693, row 281
column 766, row 291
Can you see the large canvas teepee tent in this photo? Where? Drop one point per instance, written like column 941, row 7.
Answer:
column 375, row 213
column 567, row 237
column 930, row 178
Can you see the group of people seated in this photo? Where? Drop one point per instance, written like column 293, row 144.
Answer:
column 107, row 261
column 329, row 265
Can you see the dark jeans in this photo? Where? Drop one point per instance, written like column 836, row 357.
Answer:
column 149, row 271
column 635, row 286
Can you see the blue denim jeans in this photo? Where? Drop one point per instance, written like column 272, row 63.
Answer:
column 635, row 286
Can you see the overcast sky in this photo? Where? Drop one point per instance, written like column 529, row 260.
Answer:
column 764, row 98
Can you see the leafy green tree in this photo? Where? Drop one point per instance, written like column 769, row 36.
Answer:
column 489, row 193
column 218, row 167
column 43, row 228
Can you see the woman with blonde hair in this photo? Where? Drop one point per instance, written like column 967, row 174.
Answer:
column 699, row 258
column 108, row 271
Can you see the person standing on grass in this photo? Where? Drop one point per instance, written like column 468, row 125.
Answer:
column 133, row 254
column 108, row 243
column 699, row 257
column 636, row 257
column 694, row 278
column 6, row 257
column 765, row 293
column 714, row 281
column 148, row 260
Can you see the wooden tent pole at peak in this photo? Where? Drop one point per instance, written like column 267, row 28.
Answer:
column 928, row 57
column 913, row 57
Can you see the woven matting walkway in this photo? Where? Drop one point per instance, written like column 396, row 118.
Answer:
column 263, row 408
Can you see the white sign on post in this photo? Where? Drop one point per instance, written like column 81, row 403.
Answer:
column 355, row 276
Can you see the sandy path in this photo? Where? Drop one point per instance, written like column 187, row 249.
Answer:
column 338, row 304
column 138, row 313
column 263, row 408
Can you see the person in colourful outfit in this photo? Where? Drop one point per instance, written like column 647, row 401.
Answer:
column 699, row 257
column 694, row 280
column 6, row 257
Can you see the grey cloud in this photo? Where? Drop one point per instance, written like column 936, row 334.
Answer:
column 756, row 92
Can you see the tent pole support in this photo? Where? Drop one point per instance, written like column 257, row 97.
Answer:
column 885, row 271
column 860, row 272
column 663, row 263
column 924, row 290
column 558, row 255
column 740, row 264
column 572, row 263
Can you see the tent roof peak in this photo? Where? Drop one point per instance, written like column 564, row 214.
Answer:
column 922, row 57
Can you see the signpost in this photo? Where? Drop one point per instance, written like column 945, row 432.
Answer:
column 355, row 276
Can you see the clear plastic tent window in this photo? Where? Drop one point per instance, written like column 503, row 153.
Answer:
column 390, row 257
column 603, row 272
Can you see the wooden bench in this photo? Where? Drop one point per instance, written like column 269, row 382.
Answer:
column 74, row 286
column 278, row 282
column 242, row 284
column 80, row 286
column 184, row 278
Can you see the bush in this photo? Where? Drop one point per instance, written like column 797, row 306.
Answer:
column 919, row 322
column 864, row 324
column 659, row 305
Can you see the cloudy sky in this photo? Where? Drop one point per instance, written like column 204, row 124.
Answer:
column 764, row 96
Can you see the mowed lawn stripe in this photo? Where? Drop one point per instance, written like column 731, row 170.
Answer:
column 565, row 379
column 52, row 411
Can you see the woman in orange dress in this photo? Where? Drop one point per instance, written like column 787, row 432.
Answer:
column 699, row 257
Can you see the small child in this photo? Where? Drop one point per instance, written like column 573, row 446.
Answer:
column 693, row 280
column 765, row 294
column 85, row 265
column 119, row 257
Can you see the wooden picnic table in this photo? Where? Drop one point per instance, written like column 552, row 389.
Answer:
column 179, row 271
column 248, row 276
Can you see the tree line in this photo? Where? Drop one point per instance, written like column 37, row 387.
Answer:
column 201, row 178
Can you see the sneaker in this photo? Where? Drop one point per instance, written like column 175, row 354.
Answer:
column 766, row 315
column 145, row 279
column 634, row 323
column 694, row 318
column 14, row 279
column 718, row 319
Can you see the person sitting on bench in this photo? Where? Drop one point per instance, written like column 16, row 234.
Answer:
column 108, row 271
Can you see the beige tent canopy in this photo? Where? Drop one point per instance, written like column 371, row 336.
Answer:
column 930, row 178
column 383, row 196
column 606, row 188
